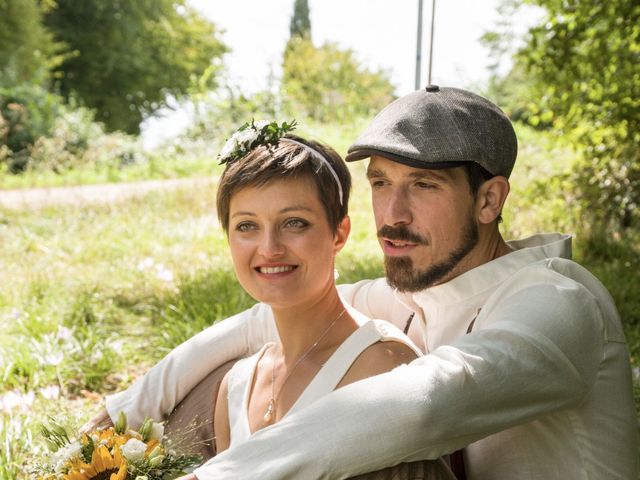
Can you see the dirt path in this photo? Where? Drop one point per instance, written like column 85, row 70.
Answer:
column 90, row 194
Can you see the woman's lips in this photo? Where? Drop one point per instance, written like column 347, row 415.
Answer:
column 275, row 269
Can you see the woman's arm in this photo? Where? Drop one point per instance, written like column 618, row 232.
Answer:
column 221, row 417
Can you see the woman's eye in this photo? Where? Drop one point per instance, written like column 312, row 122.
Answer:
column 296, row 223
column 245, row 227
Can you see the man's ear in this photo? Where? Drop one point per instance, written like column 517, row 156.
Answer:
column 490, row 199
column 342, row 234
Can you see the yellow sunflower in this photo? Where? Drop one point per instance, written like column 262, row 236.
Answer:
column 103, row 466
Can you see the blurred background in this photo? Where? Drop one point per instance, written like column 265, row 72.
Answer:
column 112, row 115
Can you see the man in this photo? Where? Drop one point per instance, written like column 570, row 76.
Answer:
column 526, row 365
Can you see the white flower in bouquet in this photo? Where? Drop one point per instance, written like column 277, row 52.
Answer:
column 114, row 453
column 66, row 453
column 134, row 450
column 157, row 431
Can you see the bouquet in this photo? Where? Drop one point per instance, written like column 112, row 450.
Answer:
column 113, row 453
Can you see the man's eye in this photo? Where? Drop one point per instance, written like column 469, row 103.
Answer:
column 245, row 227
column 376, row 183
column 424, row 185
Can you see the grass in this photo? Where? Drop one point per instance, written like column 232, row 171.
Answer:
column 92, row 296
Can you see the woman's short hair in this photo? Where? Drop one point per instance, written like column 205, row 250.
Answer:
column 288, row 160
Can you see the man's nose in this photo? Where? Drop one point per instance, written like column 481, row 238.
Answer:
column 398, row 208
column 271, row 244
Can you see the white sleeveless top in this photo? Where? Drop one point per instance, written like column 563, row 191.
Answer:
column 240, row 377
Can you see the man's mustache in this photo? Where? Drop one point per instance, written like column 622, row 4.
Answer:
column 401, row 233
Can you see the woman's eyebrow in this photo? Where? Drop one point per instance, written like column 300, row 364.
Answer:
column 242, row 213
column 291, row 208
column 294, row 208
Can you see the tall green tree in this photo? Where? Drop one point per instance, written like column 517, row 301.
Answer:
column 329, row 84
column 124, row 58
column 300, row 25
column 583, row 61
column 25, row 45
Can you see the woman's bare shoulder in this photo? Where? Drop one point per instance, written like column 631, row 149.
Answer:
column 378, row 358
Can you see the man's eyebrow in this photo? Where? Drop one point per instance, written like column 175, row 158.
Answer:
column 374, row 172
column 416, row 175
column 430, row 174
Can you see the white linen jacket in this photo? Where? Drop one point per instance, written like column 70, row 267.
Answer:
column 539, row 389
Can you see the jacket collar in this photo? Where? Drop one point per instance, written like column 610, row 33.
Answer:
column 491, row 274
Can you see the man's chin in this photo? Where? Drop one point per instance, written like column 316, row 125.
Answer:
column 402, row 276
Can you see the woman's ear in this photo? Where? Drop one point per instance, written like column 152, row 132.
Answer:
column 490, row 199
column 342, row 234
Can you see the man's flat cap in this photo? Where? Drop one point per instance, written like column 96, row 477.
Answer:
column 440, row 128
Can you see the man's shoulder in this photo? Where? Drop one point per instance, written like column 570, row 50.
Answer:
column 560, row 285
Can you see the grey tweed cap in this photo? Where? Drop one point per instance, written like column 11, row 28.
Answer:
column 440, row 128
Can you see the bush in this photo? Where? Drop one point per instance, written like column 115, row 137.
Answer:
column 27, row 112
column 40, row 133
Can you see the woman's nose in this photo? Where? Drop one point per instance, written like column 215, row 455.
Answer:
column 271, row 244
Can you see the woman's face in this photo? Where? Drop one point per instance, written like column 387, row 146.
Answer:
column 281, row 243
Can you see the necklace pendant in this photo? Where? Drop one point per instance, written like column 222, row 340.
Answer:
column 268, row 416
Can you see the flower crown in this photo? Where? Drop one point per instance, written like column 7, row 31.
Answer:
column 252, row 135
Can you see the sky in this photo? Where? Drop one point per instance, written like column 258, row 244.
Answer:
column 382, row 33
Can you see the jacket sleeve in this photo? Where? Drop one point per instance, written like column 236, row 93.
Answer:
column 376, row 299
column 158, row 392
column 530, row 361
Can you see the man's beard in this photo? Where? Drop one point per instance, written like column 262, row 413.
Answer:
column 404, row 276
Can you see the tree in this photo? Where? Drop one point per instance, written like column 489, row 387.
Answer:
column 25, row 45
column 124, row 58
column 300, row 25
column 329, row 84
column 582, row 61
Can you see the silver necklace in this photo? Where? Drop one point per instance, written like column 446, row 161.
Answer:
column 269, row 414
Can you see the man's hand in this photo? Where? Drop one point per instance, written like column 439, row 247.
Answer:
column 102, row 419
column 191, row 476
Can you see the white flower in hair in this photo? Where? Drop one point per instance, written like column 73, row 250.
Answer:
column 252, row 135
column 246, row 137
column 228, row 148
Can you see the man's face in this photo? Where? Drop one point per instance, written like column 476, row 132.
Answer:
column 425, row 220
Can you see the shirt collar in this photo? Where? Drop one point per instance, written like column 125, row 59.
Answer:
column 489, row 275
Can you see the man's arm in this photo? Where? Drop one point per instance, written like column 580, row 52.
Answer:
column 166, row 384
column 376, row 299
column 157, row 393
column 504, row 374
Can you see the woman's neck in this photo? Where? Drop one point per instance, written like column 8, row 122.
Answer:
column 301, row 326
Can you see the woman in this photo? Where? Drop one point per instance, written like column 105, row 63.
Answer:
column 282, row 202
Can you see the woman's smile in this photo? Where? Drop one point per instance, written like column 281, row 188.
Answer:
column 276, row 269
